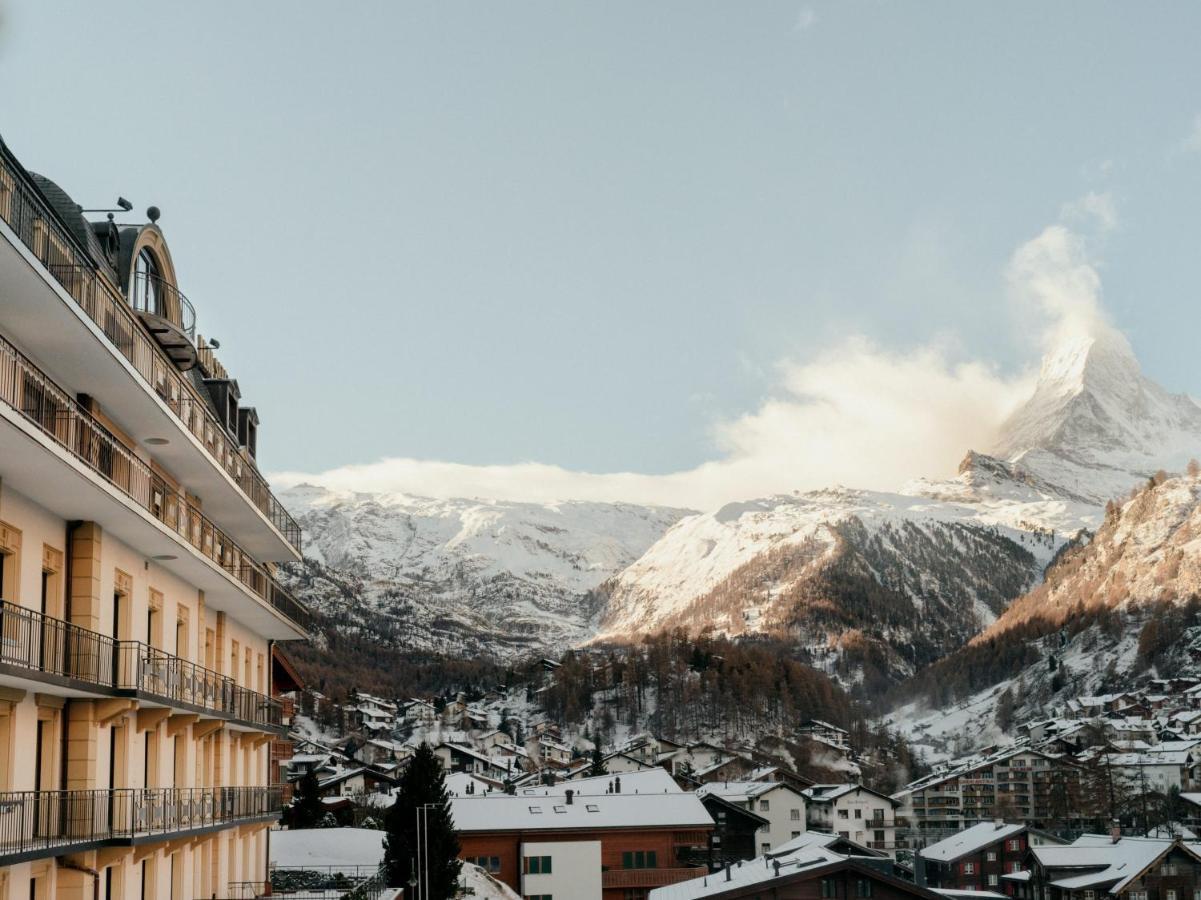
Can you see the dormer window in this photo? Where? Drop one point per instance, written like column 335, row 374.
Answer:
column 146, row 279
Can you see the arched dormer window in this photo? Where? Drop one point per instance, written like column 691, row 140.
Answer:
column 146, row 295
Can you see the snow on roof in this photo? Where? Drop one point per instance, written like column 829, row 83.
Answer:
column 972, row 840
column 738, row 791
column 483, row 886
column 809, row 851
column 968, row 895
column 1112, row 862
column 644, row 781
column 342, row 849
column 522, row 813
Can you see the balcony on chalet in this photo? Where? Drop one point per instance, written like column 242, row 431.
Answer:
column 36, row 824
column 36, row 649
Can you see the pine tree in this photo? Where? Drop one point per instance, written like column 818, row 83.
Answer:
column 307, row 808
column 598, row 763
column 423, row 783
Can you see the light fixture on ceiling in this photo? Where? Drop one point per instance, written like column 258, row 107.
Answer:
column 156, row 442
column 166, row 557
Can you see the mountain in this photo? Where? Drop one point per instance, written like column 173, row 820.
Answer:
column 1113, row 610
column 1095, row 424
column 464, row 576
column 856, row 578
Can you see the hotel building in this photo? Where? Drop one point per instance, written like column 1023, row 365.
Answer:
column 138, row 601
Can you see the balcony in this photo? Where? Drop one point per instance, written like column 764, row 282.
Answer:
column 60, row 418
column 41, row 649
column 36, row 824
column 648, row 878
column 98, row 339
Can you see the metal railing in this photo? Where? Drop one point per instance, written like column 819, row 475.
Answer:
column 151, row 294
column 644, row 878
column 41, row 644
column 315, row 883
column 26, row 389
column 43, row 822
column 45, row 235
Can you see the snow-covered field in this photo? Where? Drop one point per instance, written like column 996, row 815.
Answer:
column 341, row 849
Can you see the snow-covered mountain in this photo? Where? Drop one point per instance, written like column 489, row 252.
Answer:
column 955, row 552
column 855, row 578
column 1123, row 606
column 1096, row 425
column 465, row 575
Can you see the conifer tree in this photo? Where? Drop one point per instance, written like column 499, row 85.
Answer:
column 423, row 783
column 598, row 763
column 307, row 808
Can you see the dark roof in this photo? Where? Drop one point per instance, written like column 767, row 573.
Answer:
column 72, row 216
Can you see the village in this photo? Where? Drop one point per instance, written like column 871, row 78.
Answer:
column 1103, row 795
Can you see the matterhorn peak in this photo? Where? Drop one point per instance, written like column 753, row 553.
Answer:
column 1099, row 360
column 1095, row 425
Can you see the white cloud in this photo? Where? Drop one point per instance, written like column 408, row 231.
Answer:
column 806, row 18
column 1094, row 209
column 856, row 414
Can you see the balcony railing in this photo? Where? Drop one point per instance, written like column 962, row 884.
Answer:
column 151, row 294
column 44, row 234
column 27, row 390
column 647, row 878
column 42, row 645
column 43, row 823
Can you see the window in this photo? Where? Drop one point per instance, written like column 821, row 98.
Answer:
column 858, row 814
column 1015, row 867
column 1014, row 844
column 842, row 814
column 993, row 881
column 1138, row 895
column 828, row 888
column 536, row 865
column 796, row 834
column 795, row 815
column 969, row 868
column 878, row 836
column 764, row 847
column 639, row 859
column 1171, row 894
column 539, row 897
column 764, row 805
column 991, row 856
column 863, row 888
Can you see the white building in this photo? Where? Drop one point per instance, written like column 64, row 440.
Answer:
column 781, row 804
column 855, row 812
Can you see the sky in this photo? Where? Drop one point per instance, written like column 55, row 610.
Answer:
column 678, row 253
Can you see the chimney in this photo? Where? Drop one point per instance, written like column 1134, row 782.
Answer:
column 998, row 823
column 728, row 870
column 617, row 785
column 776, row 866
column 1115, row 831
column 569, row 794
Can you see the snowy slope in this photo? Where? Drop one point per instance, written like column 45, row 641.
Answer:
column 1093, row 428
column 1080, row 631
column 1096, row 425
column 467, row 575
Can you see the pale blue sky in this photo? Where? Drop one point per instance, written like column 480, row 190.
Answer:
column 584, row 234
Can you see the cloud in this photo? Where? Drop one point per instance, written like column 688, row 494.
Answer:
column 858, row 413
column 1093, row 210
column 806, row 18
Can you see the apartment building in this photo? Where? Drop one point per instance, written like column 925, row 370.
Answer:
column 1018, row 783
column 853, row 811
column 138, row 600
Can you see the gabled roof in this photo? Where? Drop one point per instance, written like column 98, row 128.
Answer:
column 713, row 800
column 972, row 840
column 828, row 793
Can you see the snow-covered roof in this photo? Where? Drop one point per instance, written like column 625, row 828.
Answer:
column 644, row 781
column 954, row 894
column 1110, row 863
column 828, row 793
column 971, row 840
column 522, row 813
column 342, row 849
column 810, row 851
column 737, row 791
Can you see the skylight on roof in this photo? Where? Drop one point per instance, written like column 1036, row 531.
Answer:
column 560, row 809
column 592, row 807
column 536, row 810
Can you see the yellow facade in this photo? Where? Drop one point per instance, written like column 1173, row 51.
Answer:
column 135, row 629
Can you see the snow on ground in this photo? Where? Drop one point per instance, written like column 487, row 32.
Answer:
column 341, row 849
column 482, row 886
